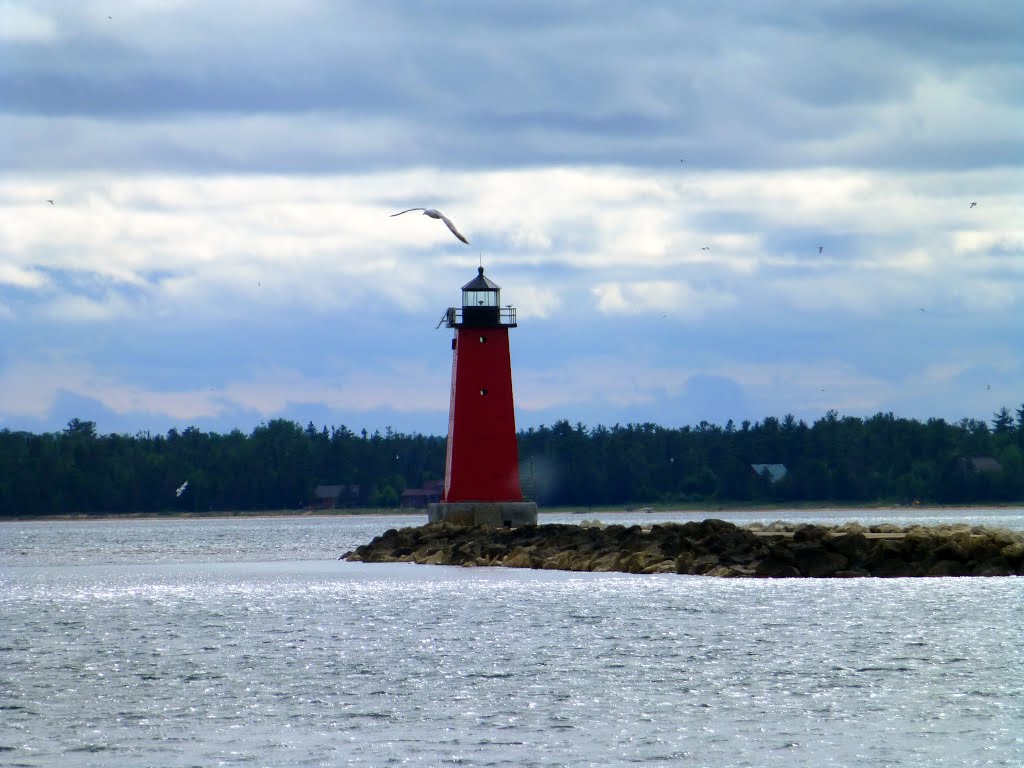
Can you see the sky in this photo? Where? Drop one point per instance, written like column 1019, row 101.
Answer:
column 701, row 211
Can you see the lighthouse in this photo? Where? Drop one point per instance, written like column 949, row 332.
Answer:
column 481, row 475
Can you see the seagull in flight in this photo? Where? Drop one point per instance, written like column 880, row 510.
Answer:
column 436, row 214
column 181, row 489
column 821, row 248
column 50, row 202
column 973, row 204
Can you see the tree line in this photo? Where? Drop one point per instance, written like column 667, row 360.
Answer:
column 278, row 465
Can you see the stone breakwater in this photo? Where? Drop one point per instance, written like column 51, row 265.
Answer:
column 711, row 548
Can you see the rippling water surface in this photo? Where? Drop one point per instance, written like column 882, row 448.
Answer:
column 246, row 642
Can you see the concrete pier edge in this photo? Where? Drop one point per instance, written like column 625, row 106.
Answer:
column 500, row 514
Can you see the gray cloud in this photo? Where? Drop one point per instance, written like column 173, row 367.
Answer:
column 475, row 85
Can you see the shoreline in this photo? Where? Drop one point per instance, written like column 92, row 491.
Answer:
column 710, row 509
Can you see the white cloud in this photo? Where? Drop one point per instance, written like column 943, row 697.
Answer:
column 20, row 277
column 405, row 386
column 84, row 309
column 617, row 380
column 31, row 388
column 807, row 389
column 25, row 25
column 989, row 296
column 531, row 301
column 28, row 388
column 974, row 241
column 676, row 298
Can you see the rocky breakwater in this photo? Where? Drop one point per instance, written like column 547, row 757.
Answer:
column 711, row 548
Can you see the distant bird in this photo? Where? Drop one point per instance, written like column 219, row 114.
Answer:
column 821, row 248
column 921, row 308
column 50, row 202
column 988, row 386
column 436, row 214
column 706, row 248
column 181, row 489
column 973, row 204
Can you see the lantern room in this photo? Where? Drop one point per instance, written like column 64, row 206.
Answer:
column 481, row 306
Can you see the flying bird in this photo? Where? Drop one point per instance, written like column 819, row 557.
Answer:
column 821, row 248
column 181, row 489
column 436, row 214
column 50, row 202
column 973, row 204
column 706, row 248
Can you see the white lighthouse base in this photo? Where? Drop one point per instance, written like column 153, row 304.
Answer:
column 507, row 514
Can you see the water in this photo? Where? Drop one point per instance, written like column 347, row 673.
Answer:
column 246, row 642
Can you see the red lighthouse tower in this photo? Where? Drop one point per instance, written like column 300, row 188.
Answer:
column 481, row 477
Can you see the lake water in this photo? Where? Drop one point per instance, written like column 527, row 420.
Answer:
column 246, row 642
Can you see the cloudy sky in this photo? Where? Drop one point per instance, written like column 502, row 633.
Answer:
column 702, row 211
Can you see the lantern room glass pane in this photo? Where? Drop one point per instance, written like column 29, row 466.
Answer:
column 480, row 298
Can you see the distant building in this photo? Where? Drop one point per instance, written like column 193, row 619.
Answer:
column 417, row 498
column 980, row 464
column 775, row 471
column 334, row 496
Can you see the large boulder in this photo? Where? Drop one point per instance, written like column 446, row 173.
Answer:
column 813, row 559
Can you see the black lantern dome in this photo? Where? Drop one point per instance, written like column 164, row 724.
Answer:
column 481, row 292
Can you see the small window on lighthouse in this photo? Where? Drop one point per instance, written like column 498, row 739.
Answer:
column 483, row 339
column 483, row 391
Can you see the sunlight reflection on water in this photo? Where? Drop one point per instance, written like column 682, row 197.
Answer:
column 315, row 661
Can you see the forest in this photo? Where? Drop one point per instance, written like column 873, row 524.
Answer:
column 837, row 459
